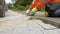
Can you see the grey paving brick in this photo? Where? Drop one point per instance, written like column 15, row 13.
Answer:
column 48, row 26
column 51, row 32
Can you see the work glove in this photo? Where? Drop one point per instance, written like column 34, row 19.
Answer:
column 28, row 12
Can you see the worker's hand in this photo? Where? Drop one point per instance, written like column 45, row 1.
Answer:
column 28, row 12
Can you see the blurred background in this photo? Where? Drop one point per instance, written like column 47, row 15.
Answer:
column 18, row 4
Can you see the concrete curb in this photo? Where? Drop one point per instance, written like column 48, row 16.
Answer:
column 49, row 20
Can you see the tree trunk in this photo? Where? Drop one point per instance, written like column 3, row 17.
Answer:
column 2, row 4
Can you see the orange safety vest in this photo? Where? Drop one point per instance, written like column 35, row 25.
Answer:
column 39, row 4
column 56, row 1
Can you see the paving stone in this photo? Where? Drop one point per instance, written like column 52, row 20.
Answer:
column 51, row 32
column 48, row 26
column 58, row 30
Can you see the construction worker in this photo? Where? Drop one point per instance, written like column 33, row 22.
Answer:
column 33, row 4
column 38, row 4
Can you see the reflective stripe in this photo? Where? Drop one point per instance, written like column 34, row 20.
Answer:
column 43, row 1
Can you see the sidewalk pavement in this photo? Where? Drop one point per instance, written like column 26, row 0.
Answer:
column 17, row 23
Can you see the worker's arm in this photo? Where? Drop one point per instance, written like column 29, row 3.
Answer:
column 33, row 4
column 39, row 5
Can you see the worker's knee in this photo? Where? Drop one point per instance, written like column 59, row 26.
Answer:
column 55, row 6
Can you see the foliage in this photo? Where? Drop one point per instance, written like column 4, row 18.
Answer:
column 21, row 4
column 9, row 5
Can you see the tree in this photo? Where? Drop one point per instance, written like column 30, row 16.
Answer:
column 9, row 5
column 13, row 1
column 21, row 3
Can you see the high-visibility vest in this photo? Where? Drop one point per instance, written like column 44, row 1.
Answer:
column 40, row 3
column 56, row 1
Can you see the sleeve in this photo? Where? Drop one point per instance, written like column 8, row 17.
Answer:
column 33, row 4
column 40, row 5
